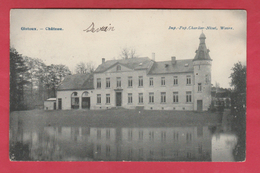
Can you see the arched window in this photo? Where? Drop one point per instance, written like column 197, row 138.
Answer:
column 118, row 67
column 74, row 100
column 74, row 94
column 85, row 94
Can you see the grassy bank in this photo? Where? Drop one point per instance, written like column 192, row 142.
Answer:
column 121, row 117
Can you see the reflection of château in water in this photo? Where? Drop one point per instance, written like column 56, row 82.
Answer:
column 116, row 144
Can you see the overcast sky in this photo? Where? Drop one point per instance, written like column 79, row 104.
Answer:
column 146, row 31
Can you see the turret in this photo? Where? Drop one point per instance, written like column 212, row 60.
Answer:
column 202, row 76
column 202, row 53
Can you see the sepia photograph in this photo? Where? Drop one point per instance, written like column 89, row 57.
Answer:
column 128, row 85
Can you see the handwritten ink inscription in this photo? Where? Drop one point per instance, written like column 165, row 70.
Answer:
column 92, row 28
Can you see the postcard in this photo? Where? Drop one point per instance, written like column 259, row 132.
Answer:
column 127, row 85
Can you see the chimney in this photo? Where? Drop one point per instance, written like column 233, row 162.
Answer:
column 103, row 60
column 153, row 56
column 173, row 59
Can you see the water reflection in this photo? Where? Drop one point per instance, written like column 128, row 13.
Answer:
column 40, row 141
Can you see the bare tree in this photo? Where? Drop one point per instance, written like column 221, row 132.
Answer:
column 124, row 53
column 133, row 53
column 128, row 53
column 82, row 68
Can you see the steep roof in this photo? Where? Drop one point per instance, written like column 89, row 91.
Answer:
column 132, row 63
column 77, row 82
column 164, row 67
column 202, row 53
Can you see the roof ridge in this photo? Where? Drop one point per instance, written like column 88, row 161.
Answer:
column 176, row 60
column 126, row 59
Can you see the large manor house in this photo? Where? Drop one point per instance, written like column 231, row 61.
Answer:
column 142, row 83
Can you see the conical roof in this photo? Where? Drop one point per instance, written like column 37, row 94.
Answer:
column 202, row 53
column 202, row 36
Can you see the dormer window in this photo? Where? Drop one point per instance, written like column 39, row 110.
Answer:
column 118, row 67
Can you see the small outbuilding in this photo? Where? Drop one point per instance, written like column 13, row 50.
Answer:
column 50, row 104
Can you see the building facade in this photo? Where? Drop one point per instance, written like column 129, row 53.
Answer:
column 143, row 83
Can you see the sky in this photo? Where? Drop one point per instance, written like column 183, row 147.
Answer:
column 146, row 31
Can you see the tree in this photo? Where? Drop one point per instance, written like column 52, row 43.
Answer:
column 128, row 53
column 82, row 68
column 35, row 70
column 238, row 78
column 52, row 77
column 31, row 81
column 17, row 80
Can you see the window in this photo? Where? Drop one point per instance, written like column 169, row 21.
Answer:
column 175, row 136
column 140, row 96
column 199, row 87
column 98, row 134
column 206, row 79
column 151, row 97
column 107, row 150
column 130, row 134
column 107, row 82
column 108, row 98
column 140, row 82
column 74, row 100
column 188, row 80
column 130, row 81
column 98, row 98
column 118, row 67
column 130, row 98
column 175, row 97
column 85, row 94
column 188, row 137
column 74, row 94
column 118, row 82
column 141, row 135
column 163, row 97
column 151, row 135
column 98, row 149
column 98, row 82
column 188, row 96
column 108, row 134
column 162, row 81
column 175, row 80
column 150, row 81
column 163, row 136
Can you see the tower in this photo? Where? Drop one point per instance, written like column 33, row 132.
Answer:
column 202, row 76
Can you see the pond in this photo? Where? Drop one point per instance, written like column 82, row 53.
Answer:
column 33, row 138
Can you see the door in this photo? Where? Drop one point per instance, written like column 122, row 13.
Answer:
column 118, row 98
column 59, row 104
column 85, row 102
column 74, row 103
column 54, row 106
column 199, row 105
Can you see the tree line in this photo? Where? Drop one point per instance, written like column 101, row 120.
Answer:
column 32, row 81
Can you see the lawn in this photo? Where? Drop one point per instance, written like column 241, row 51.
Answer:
column 117, row 118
